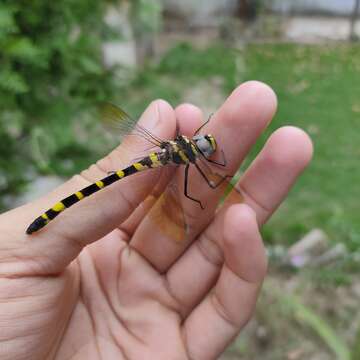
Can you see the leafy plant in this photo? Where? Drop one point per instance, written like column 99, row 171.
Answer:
column 51, row 75
column 306, row 317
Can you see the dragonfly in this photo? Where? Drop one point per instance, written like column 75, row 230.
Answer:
column 182, row 150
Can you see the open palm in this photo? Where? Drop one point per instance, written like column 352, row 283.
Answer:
column 103, row 282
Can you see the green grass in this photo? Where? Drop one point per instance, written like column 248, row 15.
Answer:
column 318, row 90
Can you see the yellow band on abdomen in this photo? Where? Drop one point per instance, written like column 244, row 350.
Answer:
column 58, row 207
column 79, row 195
column 120, row 174
column 139, row 166
column 155, row 160
column 44, row 216
column 100, row 184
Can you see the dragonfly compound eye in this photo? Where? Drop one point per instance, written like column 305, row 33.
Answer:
column 206, row 144
column 212, row 141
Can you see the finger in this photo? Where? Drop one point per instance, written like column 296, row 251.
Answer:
column 130, row 225
column 285, row 155
column 269, row 178
column 188, row 117
column 236, row 126
column 146, row 239
column 61, row 240
column 223, row 313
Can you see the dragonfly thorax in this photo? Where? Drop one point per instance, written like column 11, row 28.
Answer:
column 206, row 144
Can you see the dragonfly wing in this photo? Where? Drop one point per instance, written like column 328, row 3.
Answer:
column 168, row 215
column 113, row 118
column 117, row 121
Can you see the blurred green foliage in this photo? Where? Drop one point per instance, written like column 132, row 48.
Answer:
column 181, row 68
column 146, row 16
column 51, row 75
column 317, row 91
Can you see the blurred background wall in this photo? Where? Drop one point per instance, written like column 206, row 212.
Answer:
column 329, row 7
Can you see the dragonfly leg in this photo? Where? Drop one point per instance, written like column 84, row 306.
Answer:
column 223, row 163
column 210, row 116
column 186, row 188
column 211, row 183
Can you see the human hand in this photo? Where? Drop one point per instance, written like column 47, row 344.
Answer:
column 80, row 289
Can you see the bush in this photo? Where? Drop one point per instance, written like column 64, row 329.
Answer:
column 51, row 76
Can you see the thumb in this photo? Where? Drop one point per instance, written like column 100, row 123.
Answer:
column 57, row 244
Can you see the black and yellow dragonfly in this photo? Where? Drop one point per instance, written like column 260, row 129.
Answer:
column 180, row 151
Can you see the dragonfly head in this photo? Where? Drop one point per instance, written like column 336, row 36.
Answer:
column 206, row 144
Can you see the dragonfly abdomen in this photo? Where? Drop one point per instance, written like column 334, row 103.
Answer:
column 152, row 161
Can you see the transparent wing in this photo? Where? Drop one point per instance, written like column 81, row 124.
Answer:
column 167, row 213
column 117, row 121
column 113, row 117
